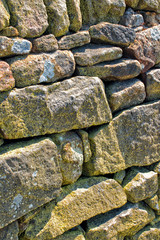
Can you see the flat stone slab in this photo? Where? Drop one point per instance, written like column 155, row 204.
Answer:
column 117, row 224
column 29, row 17
column 46, row 43
column 93, row 53
column 29, row 177
column 14, row 46
column 42, row 68
column 78, row 202
column 116, row 70
column 74, row 40
column 131, row 139
column 7, row 81
column 112, row 34
column 125, row 94
column 76, row 103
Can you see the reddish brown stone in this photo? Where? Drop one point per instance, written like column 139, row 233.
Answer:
column 7, row 81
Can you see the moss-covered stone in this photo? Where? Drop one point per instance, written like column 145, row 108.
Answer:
column 29, row 17
column 116, row 11
column 132, row 3
column 75, row 16
column 151, row 5
column 77, row 202
column 75, row 103
column 29, row 175
column 4, row 15
column 153, row 202
column 57, row 17
column 10, row 232
column 9, row 32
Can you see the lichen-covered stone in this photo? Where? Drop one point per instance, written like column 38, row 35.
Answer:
column 77, row 202
column 153, row 202
column 7, row 81
column 125, row 94
column 75, row 16
column 86, row 144
column 46, row 43
column 29, row 17
column 10, row 232
column 140, row 184
column 116, row 70
column 4, row 14
column 42, row 68
column 131, row 139
column 9, row 32
column 92, row 54
column 112, row 34
column 116, row 11
column 146, row 48
column 76, row 233
column 151, row 5
column 14, row 46
column 76, row 103
column 71, row 149
column 152, row 84
column 117, row 224
column 57, row 17
column 29, row 177
column 132, row 3
column 74, row 40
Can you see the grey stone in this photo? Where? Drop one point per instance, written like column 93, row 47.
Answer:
column 10, row 232
column 131, row 19
column 119, row 176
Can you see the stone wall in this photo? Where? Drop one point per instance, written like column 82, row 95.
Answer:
column 79, row 120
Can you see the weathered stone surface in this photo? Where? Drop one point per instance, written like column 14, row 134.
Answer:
column 1, row 141
column 93, row 53
column 42, row 68
column 116, row 11
column 75, row 103
column 74, row 234
column 57, row 17
column 131, row 19
column 9, row 32
column 29, row 175
column 71, row 149
column 125, row 94
column 74, row 40
column 152, row 84
column 119, row 176
column 29, row 17
column 14, row 46
column 131, row 139
column 112, row 33
column 47, row 43
column 4, row 14
column 146, row 48
column 152, row 5
column 10, row 232
column 86, row 144
column 75, row 16
column 140, row 184
column 151, row 18
column 116, row 70
column 132, row 3
column 77, row 202
column 120, row 223
column 153, row 202
column 7, row 81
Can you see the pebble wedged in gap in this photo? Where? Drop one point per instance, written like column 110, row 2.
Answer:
column 42, row 68
column 93, row 53
column 76, row 103
column 122, row 69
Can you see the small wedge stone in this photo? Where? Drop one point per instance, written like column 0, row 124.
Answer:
column 47, row 43
column 153, row 202
column 86, row 144
column 9, row 32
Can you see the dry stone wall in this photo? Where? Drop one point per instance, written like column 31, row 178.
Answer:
column 80, row 120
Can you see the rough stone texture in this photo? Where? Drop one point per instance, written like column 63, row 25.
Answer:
column 57, row 17
column 4, row 14
column 125, row 94
column 71, row 149
column 10, row 232
column 74, row 234
column 29, row 17
column 112, row 33
column 78, row 202
column 29, row 177
column 86, row 145
column 92, row 54
column 146, row 48
column 74, row 40
column 75, row 16
column 151, row 18
column 140, row 184
column 132, row 3
column 131, row 139
column 116, row 70
column 9, row 32
column 47, row 43
column 152, row 84
column 116, row 11
column 153, row 202
column 119, row 176
column 75, row 103
column 120, row 223
column 42, row 68
column 131, row 19
column 7, row 81
column 152, row 5
column 14, row 46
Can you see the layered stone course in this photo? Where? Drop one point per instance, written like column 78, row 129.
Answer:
column 79, row 120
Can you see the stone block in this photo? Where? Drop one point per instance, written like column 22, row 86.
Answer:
column 7, row 81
